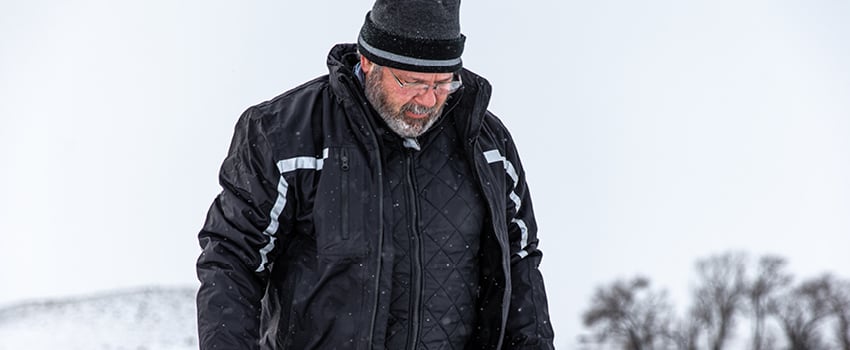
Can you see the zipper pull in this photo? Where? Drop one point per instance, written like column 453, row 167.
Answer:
column 343, row 157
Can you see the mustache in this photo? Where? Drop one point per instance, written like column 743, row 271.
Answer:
column 419, row 109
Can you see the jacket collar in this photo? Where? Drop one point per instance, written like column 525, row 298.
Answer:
column 468, row 106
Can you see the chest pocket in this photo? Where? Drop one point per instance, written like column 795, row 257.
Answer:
column 342, row 205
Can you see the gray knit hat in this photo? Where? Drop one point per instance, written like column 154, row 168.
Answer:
column 414, row 35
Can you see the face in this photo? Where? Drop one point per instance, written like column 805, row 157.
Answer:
column 408, row 113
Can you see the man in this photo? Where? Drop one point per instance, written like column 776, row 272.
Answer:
column 378, row 207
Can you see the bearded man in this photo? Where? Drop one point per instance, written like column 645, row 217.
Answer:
column 381, row 206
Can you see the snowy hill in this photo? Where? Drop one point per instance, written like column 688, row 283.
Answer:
column 148, row 319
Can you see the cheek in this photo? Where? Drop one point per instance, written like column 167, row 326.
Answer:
column 396, row 101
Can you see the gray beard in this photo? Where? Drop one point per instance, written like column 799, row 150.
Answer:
column 398, row 122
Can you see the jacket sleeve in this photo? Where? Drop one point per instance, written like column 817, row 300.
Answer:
column 528, row 325
column 237, row 240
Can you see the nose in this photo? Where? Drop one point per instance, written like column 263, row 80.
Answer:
column 427, row 98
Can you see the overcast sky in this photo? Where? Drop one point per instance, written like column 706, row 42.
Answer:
column 654, row 133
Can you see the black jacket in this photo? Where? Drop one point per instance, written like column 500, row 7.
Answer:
column 295, row 246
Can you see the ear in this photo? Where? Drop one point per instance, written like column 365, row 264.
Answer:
column 365, row 64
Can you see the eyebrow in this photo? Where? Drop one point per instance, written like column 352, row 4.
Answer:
column 420, row 81
column 449, row 80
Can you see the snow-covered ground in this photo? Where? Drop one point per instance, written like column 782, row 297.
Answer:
column 147, row 319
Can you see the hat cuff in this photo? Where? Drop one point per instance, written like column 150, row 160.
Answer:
column 413, row 54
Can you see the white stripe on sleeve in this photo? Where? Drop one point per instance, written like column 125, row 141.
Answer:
column 494, row 156
column 285, row 166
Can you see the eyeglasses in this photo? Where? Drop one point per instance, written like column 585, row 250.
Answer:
column 421, row 88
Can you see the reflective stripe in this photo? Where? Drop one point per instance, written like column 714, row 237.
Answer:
column 524, row 242
column 285, row 166
column 405, row 59
column 494, row 156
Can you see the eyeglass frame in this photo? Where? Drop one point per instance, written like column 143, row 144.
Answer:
column 421, row 88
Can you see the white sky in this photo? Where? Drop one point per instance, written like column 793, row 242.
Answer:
column 654, row 133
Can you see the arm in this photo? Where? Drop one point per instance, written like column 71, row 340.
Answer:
column 236, row 241
column 528, row 325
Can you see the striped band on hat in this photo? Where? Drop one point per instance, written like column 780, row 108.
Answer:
column 412, row 54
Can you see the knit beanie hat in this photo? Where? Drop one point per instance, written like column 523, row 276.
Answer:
column 414, row 35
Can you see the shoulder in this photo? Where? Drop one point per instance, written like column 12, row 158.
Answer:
column 285, row 123
column 493, row 124
column 494, row 131
column 299, row 98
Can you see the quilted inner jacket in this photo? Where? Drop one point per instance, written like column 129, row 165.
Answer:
column 436, row 221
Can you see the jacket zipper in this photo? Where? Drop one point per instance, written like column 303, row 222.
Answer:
column 378, row 262
column 416, row 285
column 344, row 160
column 380, row 251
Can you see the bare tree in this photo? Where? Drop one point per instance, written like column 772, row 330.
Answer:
column 720, row 296
column 630, row 314
column 839, row 303
column 685, row 333
column 769, row 279
column 802, row 311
